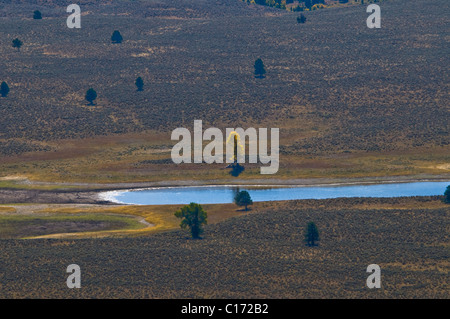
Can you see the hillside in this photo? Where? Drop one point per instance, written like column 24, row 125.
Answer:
column 180, row 9
column 332, row 85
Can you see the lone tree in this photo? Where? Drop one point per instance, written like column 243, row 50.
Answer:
column 311, row 234
column 116, row 37
column 139, row 84
column 447, row 195
column 37, row 15
column 243, row 199
column 16, row 43
column 4, row 89
column 91, row 96
column 301, row 19
column 236, row 168
column 259, row 69
column 192, row 216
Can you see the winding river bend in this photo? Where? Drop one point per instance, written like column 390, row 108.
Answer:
column 225, row 194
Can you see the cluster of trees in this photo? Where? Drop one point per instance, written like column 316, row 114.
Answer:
column 308, row 4
column 282, row 4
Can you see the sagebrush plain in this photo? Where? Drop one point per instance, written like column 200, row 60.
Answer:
column 353, row 105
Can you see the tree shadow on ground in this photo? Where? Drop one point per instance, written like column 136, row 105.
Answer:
column 236, row 169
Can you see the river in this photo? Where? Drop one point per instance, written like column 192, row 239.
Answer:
column 225, row 194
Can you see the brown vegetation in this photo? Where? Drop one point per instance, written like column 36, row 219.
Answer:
column 256, row 255
column 335, row 84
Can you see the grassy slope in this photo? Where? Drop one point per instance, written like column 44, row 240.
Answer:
column 160, row 217
column 350, row 101
column 256, row 255
column 36, row 225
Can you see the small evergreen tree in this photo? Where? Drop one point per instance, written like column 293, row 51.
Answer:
column 447, row 195
column 193, row 216
column 140, row 84
column 311, row 234
column 37, row 15
column 116, row 37
column 91, row 96
column 4, row 89
column 259, row 69
column 243, row 199
column 301, row 19
column 236, row 168
column 16, row 43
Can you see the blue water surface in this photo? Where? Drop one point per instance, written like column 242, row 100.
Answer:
column 225, row 194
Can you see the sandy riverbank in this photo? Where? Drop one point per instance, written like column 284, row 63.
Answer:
column 88, row 193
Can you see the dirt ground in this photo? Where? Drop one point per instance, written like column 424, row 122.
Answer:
column 8, row 196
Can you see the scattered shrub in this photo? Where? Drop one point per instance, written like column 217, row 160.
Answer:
column 37, row 15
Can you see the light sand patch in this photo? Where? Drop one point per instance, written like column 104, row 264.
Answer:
column 13, row 178
column 141, row 55
column 59, row 54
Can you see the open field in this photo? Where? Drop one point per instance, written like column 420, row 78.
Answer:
column 260, row 254
column 157, row 218
column 353, row 104
column 349, row 101
column 133, row 159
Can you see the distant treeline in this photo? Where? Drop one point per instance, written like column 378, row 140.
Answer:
column 302, row 5
column 283, row 3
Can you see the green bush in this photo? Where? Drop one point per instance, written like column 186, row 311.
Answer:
column 37, row 15
column 447, row 195
column 193, row 217
column 4, row 89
